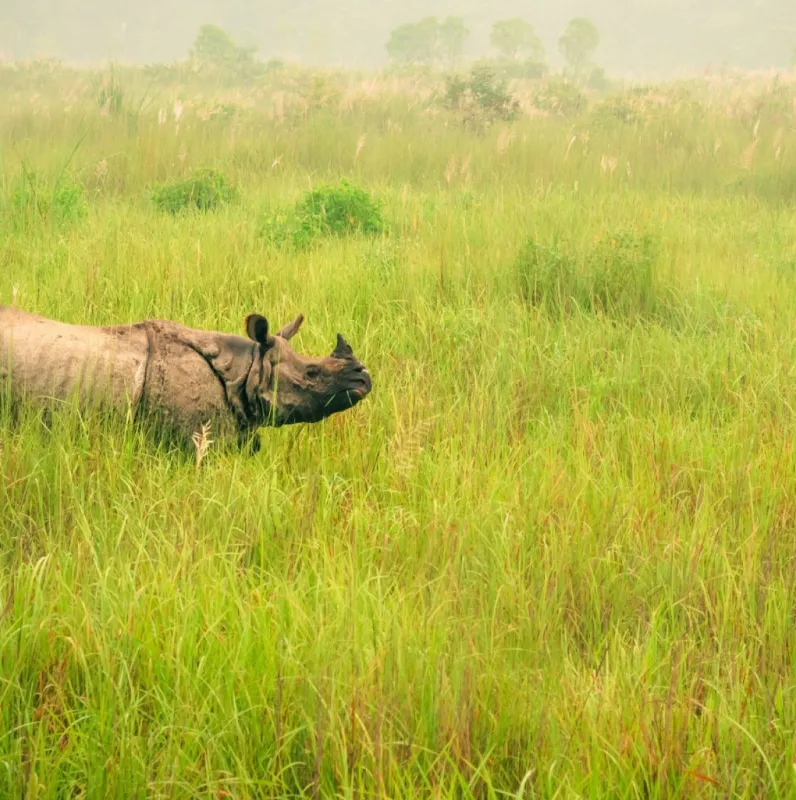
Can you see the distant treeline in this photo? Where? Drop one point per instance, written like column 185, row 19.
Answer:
column 662, row 36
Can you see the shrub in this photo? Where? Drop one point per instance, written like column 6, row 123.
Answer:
column 319, row 91
column 622, row 272
column 531, row 69
column 629, row 108
column 547, row 276
column 481, row 97
column 35, row 200
column 215, row 53
column 598, row 80
column 326, row 211
column 515, row 69
column 644, row 104
column 637, row 106
column 561, row 97
column 214, row 47
column 205, row 190
column 615, row 277
column 278, row 228
column 339, row 210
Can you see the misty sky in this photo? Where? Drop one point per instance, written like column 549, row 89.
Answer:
column 640, row 37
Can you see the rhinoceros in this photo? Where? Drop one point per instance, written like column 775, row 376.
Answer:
column 178, row 376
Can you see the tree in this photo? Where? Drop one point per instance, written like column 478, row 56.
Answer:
column 415, row 42
column 451, row 37
column 515, row 37
column 215, row 47
column 578, row 42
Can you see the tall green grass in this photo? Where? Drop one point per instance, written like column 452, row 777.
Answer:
column 551, row 555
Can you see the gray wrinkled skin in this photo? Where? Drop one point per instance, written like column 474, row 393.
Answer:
column 178, row 376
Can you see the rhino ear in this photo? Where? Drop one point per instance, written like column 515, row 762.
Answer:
column 291, row 329
column 257, row 328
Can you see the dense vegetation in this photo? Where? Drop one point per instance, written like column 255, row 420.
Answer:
column 552, row 554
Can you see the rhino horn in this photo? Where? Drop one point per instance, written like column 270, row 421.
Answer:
column 343, row 349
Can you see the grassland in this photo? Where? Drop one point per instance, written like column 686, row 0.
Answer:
column 552, row 555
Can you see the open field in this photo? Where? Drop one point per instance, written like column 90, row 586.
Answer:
column 553, row 554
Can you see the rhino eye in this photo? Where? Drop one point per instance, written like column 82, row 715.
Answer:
column 313, row 372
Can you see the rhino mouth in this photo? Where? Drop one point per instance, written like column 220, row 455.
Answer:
column 364, row 385
column 332, row 404
column 358, row 386
column 341, row 401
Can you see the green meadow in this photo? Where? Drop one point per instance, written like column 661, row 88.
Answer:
column 553, row 554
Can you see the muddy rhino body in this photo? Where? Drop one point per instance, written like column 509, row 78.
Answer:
column 178, row 376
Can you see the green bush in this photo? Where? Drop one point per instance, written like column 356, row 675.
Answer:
column 561, row 97
column 481, row 97
column 215, row 53
column 643, row 105
column 339, row 210
column 628, row 108
column 278, row 228
column 615, row 277
column 326, row 211
column 622, row 271
column 598, row 80
column 34, row 200
column 205, row 190
column 547, row 276
column 515, row 69
column 530, row 69
column 633, row 107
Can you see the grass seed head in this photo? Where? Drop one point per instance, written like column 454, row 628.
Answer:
column 202, row 443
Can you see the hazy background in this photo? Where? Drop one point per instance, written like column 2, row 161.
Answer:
column 662, row 37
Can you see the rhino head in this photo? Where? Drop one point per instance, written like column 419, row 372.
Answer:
column 284, row 388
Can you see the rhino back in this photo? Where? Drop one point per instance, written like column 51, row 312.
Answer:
column 49, row 359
